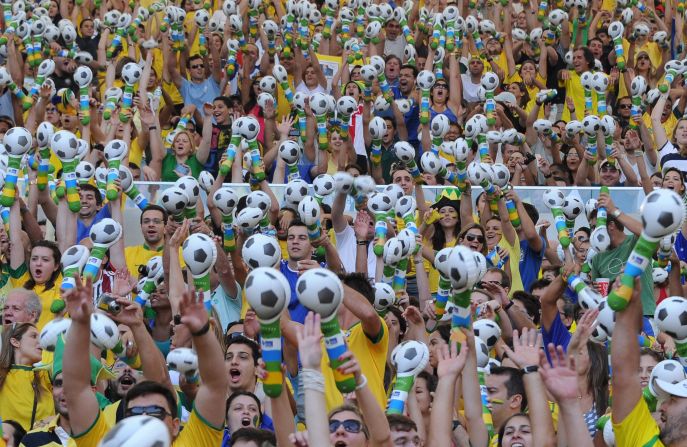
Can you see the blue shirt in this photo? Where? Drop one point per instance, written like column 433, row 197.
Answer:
column 199, row 93
column 297, row 311
column 557, row 334
column 83, row 231
column 530, row 262
column 681, row 246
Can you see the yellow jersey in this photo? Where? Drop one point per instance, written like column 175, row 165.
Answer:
column 17, row 396
column 19, row 277
column 574, row 90
column 637, row 429
column 371, row 355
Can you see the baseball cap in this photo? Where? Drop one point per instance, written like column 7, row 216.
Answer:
column 665, row 388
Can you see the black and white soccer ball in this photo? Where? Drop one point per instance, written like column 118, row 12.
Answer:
column 346, row 105
column 261, row 250
column 248, row 127
column 490, row 81
column 248, row 219
column 299, row 101
column 343, row 182
column 378, row 202
column 671, row 317
column 279, row 73
column 659, row 275
column 319, row 104
column 205, row 180
column 106, row 232
column 47, row 67
column 385, row 297
column 155, row 267
column 289, row 151
column 75, row 255
column 482, row 351
column 266, row 294
column 600, row 240
column 52, row 331
column 84, row 171
column 405, row 205
column 600, row 82
column 323, row 185
column 295, row 191
column 500, row 175
column 572, row 206
column 83, row 76
column 364, row 184
column 472, row 127
column 104, row 331
column 668, row 370
column 439, row 126
column 63, row 144
column 394, row 191
column 480, row 266
column 268, row 84
column 225, row 199
column 662, row 212
column 377, row 128
column 607, row 125
column 460, row 272
column 309, row 210
column 380, row 105
column 320, row 290
column 409, row 52
column 137, row 431
column 542, row 125
column 606, row 318
column 638, row 86
column 573, row 128
column 200, row 253
column 586, row 80
column 190, row 186
column 408, row 241
column 553, row 198
column 430, row 163
column 477, row 173
column 44, row 133
column 616, row 29
column 425, row 80
column 116, row 149
column 259, row 199
column 442, row 261
column 589, row 206
column 461, row 150
column 488, row 331
column 265, row 98
column 17, row 141
column 174, row 200
column 378, row 63
column 404, row 105
column 410, row 357
column 202, row 18
column 183, row 360
column 393, row 251
column 131, row 73
column 404, row 151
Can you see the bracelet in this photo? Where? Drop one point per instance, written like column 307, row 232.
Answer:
column 204, row 330
column 361, row 242
column 508, row 306
column 362, row 384
column 312, row 380
column 152, row 128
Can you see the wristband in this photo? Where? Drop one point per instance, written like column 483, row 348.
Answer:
column 530, row 369
column 152, row 128
column 312, row 380
column 362, row 384
column 616, row 213
column 361, row 242
column 508, row 306
column 204, row 330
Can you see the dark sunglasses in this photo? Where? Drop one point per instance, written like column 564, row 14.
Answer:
column 155, row 411
column 471, row 237
column 625, row 106
column 198, row 66
column 350, row 425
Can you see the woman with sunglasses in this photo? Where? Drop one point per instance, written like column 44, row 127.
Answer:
column 25, row 394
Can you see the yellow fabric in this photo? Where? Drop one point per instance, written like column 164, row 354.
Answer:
column 651, row 49
column 196, row 433
column 531, row 91
column 110, row 413
column 135, row 153
column 49, row 426
column 16, row 396
column 138, row 255
column 283, row 106
column 513, row 263
column 46, row 296
column 669, row 125
column 400, row 226
column 433, row 273
column 574, row 90
column 637, row 429
column 372, row 359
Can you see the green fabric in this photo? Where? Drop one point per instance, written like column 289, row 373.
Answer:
column 16, row 274
column 612, row 264
column 388, row 158
column 98, row 370
column 170, row 162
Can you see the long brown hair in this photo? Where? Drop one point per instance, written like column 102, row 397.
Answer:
column 57, row 257
column 15, row 331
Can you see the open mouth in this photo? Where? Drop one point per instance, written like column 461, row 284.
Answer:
column 39, row 273
column 340, row 444
column 127, row 380
column 517, row 444
column 245, row 422
column 235, row 375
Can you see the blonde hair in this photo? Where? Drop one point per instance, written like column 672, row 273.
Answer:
column 190, row 139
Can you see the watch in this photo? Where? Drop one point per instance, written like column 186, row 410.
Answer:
column 616, row 213
column 530, row 369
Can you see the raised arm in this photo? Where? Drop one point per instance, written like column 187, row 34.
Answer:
column 660, row 136
column 363, row 310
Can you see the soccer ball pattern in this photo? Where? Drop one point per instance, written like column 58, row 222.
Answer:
column 320, row 290
column 225, row 199
column 430, row 163
column 410, row 357
column 266, row 294
column 261, row 251
column 425, row 80
column 600, row 240
column 346, row 105
column 439, row 126
column 393, row 251
column 606, row 318
column 199, row 253
column 183, row 361
column 106, row 231
column 259, row 199
column 500, row 175
column 116, row 149
column 670, row 371
column 377, row 128
column 174, row 200
column 17, row 141
column 405, row 205
column 309, row 210
column 378, row 202
column 131, row 73
column 51, row 333
column 488, row 331
column 248, row 219
column 289, row 151
column 572, row 206
column 248, row 127
column 662, row 213
column 83, row 76
column 84, row 171
column 343, row 182
column 482, row 352
column 295, row 191
column 189, row 186
column 44, row 133
column 384, row 297
column 104, row 331
column 323, row 185
column 408, row 242
column 63, row 144
column 671, row 317
column 441, row 261
column 553, row 198
column 319, row 104
column 404, row 151
column 137, row 431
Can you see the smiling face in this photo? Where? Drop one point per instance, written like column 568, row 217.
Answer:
column 243, row 412
column 646, row 366
column 89, row 204
column 392, row 29
column 220, row 112
column 518, row 432
column 493, row 231
column 473, row 239
column 42, row 264
column 153, row 226
column 310, row 78
column 681, row 132
column 673, row 423
column 673, row 181
column 610, row 175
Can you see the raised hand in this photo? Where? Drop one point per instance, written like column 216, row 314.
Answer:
column 79, row 300
column 526, row 347
column 309, row 347
column 130, row 313
column 193, row 312
column 560, row 377
column 451, row 363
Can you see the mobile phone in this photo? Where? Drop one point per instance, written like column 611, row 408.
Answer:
column 182, row 169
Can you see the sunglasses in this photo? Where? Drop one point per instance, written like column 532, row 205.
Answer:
column 155, row 411
column 625, row 106
column 350, row 425
column 198, row 66
column 443, row 86
column 475, row 237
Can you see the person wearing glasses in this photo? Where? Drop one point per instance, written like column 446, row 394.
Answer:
column 24, row 393
column 155, row 396
column 153, row 220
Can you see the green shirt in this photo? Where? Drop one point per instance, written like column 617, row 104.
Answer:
column 169, row 163
column 612, row 264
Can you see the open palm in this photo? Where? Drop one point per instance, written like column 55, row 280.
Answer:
column 560, row 377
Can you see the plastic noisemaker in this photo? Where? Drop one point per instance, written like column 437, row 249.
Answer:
column 554, row 199
column 267, row 292
column 406, row 153
column 126, row 180
column 83, row 77
column 73, row 261
column 232, row 148
column 191, row 188
column 591, row 124
column 184, row 361
column 280, row 74
column 131, row 73
column 309, row 210
column 377, row 129
column 444, row 289
column 379, row 203
column 104, row 235
column 600, row 85
column 45, row 70
column 122, row 24
column 425, row 80
column 607, row 126
column 321, row 291
column 464, row 271
column 479, row 174
column 249, row 129
column 154, row 277
column 587, row 296
column 490, row 82
column 202, row 17
column 115, row 151
column 200, row 254
column 44, row 134
column 662, row 213
column 320, row 108
column 112, row 97
column 410, row 358
column 637, row 89
column 665, row 250
column 17, row 142
column 616, row 30
column 586, row 80
column 174, row 201
column 673, row 69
